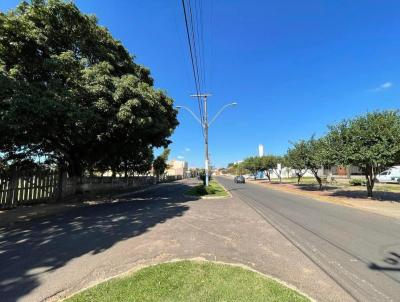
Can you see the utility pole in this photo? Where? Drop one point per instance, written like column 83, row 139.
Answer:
column 203, row 121
column 204, row 96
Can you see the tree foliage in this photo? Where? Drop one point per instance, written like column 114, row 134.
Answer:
column 253, row 164
column 370, row 142
column 160, row 163
column 297, row 159
column 266, row 164
column 71, row 92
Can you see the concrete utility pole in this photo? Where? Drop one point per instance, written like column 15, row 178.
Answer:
column 205, row 125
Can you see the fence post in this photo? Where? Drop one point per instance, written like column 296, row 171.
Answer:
column 11, row 190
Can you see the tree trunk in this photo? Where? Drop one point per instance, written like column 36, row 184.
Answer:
column 75, row 171
column 370, row 183
column 319, row 180
column 268, row 176
column 298, row 178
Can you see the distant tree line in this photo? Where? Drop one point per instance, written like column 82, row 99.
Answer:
column 72, row 96
column 370, row 142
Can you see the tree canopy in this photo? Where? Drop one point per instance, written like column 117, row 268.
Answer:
column 72, row 93
column 370, row 142
column 160, row 163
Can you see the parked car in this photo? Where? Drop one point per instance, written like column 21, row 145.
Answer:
column 391, row 175
column 239, row 179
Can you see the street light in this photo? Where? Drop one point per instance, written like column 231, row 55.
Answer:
column 191, row 112
column 220, row 111
column 205, row 125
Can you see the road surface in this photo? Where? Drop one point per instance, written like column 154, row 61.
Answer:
column 360, row 251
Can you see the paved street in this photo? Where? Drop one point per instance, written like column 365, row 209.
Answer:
column 329, row 252
column 53, row 257
column 359, row 250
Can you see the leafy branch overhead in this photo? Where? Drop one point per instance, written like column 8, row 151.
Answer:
column 71, row 92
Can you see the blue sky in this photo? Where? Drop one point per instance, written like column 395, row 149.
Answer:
column 293, row 66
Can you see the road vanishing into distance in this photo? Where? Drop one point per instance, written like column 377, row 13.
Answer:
column 359, row 250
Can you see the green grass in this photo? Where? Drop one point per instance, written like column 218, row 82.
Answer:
column 214, row 189
column 345, row 183
column 190, row 281
column 293, row 180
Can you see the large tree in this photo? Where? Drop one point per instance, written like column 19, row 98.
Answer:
column 296, row 158
column 309, row 155
column 370, row 142
column 71, row 92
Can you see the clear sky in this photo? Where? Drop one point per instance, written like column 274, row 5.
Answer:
column 293, row 66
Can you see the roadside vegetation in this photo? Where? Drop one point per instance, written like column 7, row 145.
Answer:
column 214, row 189
column 370, row 142
column 74, row 97
column 190, row 281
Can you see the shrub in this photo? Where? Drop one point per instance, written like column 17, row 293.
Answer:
column 202, row 176
column 202, row 190
column 357, row 182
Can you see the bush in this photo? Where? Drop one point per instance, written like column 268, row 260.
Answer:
column 357, row 182
column 202, row 176
column 202, row 190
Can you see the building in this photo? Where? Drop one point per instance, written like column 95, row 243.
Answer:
column 260, row 150
column 177, row 167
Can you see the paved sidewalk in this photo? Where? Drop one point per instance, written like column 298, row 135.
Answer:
column 27, row 213
column 57, row 257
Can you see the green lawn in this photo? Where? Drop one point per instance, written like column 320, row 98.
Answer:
column 190, row 281
column 214, row 189
column 344, row 183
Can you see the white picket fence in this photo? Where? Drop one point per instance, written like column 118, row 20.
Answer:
column 22, row 190
column 25, row 190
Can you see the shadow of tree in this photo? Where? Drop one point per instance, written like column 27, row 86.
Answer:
column 45, row 244
column 377, row 195
column 314, row 187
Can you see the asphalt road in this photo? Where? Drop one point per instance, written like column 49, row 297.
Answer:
column 360, row 251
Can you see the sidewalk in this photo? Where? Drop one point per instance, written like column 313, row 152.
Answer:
column 26, row 213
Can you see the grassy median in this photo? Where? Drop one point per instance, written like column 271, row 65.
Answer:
column 214, row 189
column 190, row 281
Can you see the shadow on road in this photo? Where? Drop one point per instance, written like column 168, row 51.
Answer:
column 43, row 245
column 391, row 262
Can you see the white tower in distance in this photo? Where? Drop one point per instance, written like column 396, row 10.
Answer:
column 260, row 150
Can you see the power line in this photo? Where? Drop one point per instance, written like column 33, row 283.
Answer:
column 192, row 58
column 195, row 52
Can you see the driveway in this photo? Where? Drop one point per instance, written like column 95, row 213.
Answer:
column 50, row 258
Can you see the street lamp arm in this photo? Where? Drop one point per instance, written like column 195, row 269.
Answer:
column 220, row 111
column 191, row 112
